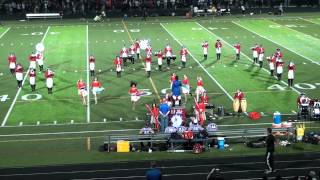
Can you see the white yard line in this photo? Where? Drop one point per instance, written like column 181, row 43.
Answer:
column 318, row 63
column 244, row 55
column 88, row 78
column 19, row 90
column 4, row 32
column 195, row 59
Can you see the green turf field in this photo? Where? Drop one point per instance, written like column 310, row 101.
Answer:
column 59, row 124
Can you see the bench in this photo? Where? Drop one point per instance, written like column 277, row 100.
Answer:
column 241, row 135
column 43, row 15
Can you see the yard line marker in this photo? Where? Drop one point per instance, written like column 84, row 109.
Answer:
column 21, row 123
column 219, row 85
column 19, row 90
column 245, row 56
column 151, row 81
column 309, row 21
column 4, row 32
column 294, row 112
column 88, row 78
column 38, row 123
column 318, row 63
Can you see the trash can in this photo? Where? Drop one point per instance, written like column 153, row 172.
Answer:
column 277, row 118
column 220, row 143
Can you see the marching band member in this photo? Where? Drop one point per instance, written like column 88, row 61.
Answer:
column 168, row 54
column 172, row 78
column 272, row 63
column 49, row 80
column 238, row 49
column 148, row 50
column 261, row 55
column 137, row 48
column 199, row 90
column 118, row 65
column 32, row 79
column 155, row 116
column 279, row 65
column 82, row 91
column 134, row 93
column 19, row 74
column 124, row 54
column 184, row 53
column 255, row 54
column 205, row 46
column 39, row 59
column 132, row 51
column 205, row 98
column 92, row 61
column 160, row 55
column 238, row 100
column 148, row 61
column 278, row 54
column 96, row 89
column 185, row 87
column 200, row 112
column 303, row 100
column 218, row 47
column 12, row 60
column 291, row 70
column 32, row 60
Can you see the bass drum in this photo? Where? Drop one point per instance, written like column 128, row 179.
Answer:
column 236, row 105
column 176, row 121
column 243, row 105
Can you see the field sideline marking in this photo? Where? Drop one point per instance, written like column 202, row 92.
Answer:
column 309, row 21
column 151, row 81
column 19, row 90
column 318, row 63
column 219, row 85
column 88, row 78
column 244, row 55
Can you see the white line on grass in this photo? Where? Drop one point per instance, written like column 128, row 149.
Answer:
column 19, row 90
column 309, row 21
column 88, row 79
column 230, row 97
column 318, row 63
column 244, row 55
column 4, row 32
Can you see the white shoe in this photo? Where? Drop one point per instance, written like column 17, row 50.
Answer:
column 267, row 171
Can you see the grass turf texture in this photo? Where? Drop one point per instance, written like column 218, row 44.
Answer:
column 66, row 53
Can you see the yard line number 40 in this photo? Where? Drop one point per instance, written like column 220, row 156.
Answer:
column 302, row 86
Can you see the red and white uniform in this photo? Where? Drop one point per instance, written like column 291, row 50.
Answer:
column 200, row 112
column 260, row 53
column 291, row 70
column 137, row 47
column 278, row 55
column 124, row 52
column 205, row 47
column 134, row 92
column 185, row 86
column 168, row 51
column 205, row 99
column 82, row 88
column 32, row 77
column 272, row 62
column 19, row 72
column 303, row 100
column 12, row 60
column 160, row 57
column 118, row 63
column 155, row 115
column 255, row 51
column 238, row 95
column 132, row 50
column 148, row 61
column 39, row 58
column 32, row 60
column 49, row 78
column 92, row 63
column 237, row 48
column 218, row 47
column 96, row 85
column 149, row 50
column 184, row 53
column 279, row 66
column 199, row 89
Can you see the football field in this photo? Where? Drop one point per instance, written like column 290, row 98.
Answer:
column 68, row 45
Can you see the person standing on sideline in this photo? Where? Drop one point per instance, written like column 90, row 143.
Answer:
column 164, row 111
column 218, row 47
column 270, row 150
column 153, row 173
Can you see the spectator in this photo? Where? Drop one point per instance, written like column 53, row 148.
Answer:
column 153, row 173
column 145, row 131
column 195, row 126
column 164, row 111
column 212, row 127
column 270, row 140
column 170, row 129
column 181, row 129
